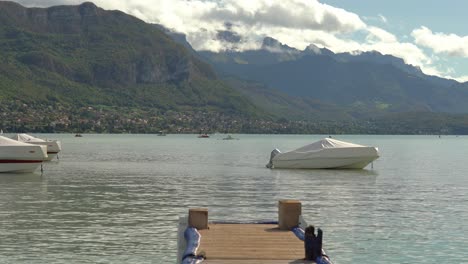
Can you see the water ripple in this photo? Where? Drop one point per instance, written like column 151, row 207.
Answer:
column 117, row 198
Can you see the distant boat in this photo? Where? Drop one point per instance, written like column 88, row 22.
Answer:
column 203, row 136
column 17, row 156
column 161, row 133
column 229, row 137
column 327, row 153
column 78, row 135
column 53, row 146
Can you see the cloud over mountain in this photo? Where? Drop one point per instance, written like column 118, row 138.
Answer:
column 450, row 44
column 218, row 25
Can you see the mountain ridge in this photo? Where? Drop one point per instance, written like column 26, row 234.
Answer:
column 368, row 79
column 87, row 55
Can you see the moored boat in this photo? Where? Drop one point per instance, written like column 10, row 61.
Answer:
column 18, row 156
column 327, row 153
column 53, row 146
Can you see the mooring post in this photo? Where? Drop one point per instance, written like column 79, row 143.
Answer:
column 313, row 243
column 288, row 214
column 320, row 240
column 198, row 218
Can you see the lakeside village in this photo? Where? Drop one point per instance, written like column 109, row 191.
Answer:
column 20, row 117
column 17, row 117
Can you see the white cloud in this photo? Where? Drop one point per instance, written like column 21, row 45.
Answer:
column 384, row 19
column 379, row 35
column 409, row 52
column 379, row 18
column 200, row 20
column 460, row 79
column 450, row 44
column 296, row 14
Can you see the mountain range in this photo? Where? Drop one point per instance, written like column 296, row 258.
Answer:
column 84, row 56
column 361, row 81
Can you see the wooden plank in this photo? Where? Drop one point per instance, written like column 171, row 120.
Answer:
column 249, row 242
column 256, row 261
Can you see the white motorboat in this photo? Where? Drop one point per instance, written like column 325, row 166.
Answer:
column 327, row 153
column 17, row 156
column 53, row 146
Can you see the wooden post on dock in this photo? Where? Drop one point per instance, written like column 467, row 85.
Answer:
column 288, row 214
column 198, row 218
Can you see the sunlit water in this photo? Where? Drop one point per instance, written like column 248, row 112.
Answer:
column 117, row 198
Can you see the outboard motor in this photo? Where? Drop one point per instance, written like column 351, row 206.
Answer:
column 272, row 155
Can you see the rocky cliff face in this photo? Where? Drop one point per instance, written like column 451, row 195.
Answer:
column 87, row 30
column 58, row 19
column 93, row 56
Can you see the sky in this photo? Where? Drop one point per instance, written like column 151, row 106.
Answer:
column 429, row 34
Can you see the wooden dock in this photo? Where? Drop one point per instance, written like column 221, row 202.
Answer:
column 223, row 243
column 250, row 243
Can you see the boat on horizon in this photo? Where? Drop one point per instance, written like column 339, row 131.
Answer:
column 203, row 136
column 326, row 153
column 229, row 137
column 53, row 146
column 19, row 157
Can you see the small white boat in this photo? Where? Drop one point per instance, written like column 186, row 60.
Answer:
column 327, row 153
column 17, row 156
column 53, row 146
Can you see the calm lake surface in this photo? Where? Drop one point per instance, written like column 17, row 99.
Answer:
column 117, row 198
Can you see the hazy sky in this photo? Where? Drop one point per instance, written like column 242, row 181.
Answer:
column 430, row 34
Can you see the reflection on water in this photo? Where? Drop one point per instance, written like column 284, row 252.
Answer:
column 117, row 198
column 20, row 177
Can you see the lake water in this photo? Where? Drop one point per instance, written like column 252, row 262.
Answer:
column 117, row 198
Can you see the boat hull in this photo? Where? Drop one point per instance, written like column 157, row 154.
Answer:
column 19, row 166
column 17, row 156
column 349, row 158
column 53, row 148
column 319, row 163
column 51, row 156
